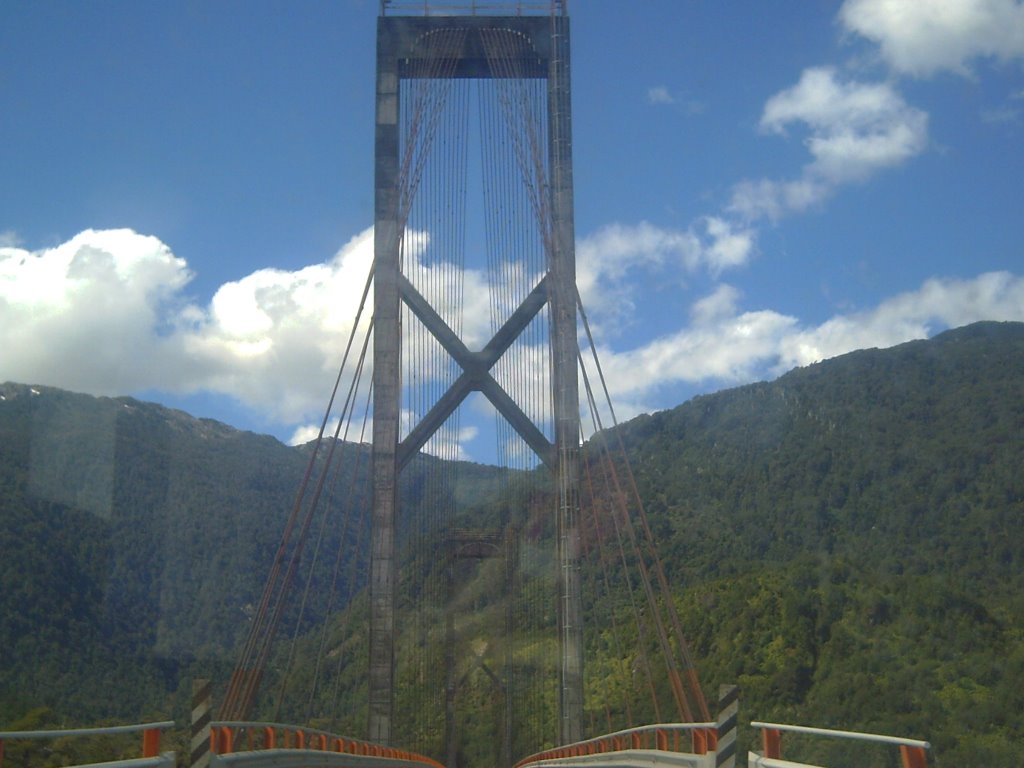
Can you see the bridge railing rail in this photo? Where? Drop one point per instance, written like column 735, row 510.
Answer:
column 695, row 738
column 913, row 752
column 151, row 757
column 230, row 737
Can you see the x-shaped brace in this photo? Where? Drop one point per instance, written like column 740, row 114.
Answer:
column 475, row 376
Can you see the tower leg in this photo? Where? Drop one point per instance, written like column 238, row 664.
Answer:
column 386, row 364
column 565, row 383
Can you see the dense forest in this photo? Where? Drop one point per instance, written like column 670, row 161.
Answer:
column 847, row 540
column 135, row 541
column 845, row 544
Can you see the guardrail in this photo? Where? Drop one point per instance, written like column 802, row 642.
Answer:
column 151, row 757
column 684, row 739
column 913, row 752
column 292, row 744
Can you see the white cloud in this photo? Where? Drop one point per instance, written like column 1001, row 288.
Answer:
column 605, row 258
column 90, row 313
column 274, row 339
column 448, row 443
column 9, row 239
column 462, row 296
column 725, row 346
column 921, row 38
column 729, row 246
column 938, row 304
column 659, row 94
column 105, row 313
column 354, row 430
column 854, row 130
column 615, row 249
column 304, row 434
column 1001, row 115
column 721, row 303
column 765, row 198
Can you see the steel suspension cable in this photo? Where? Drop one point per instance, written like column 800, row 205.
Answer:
column 344, row 419
column 247, row 674
column 668, row 657
column 426, row 201
column 339, row 558
column 354, row 563
column 612, row 616
column 614, row 505
column 500, row 129
column 682, row 645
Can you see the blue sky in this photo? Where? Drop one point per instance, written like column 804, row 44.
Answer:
column 186, row 191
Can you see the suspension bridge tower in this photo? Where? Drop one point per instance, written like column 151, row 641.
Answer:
column 501, row 83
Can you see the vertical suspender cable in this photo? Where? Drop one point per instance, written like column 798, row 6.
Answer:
column 614, row 503
column 346, row 537
column 683, row 648
column 354, row 562
column 247, row 675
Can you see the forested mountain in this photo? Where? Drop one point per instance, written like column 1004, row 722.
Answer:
column 135, row 541
column 848, row 542
column 845, row 543
column 131, row 538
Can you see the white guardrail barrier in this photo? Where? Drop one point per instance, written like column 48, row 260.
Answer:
column 912, row 751
column 151, row 757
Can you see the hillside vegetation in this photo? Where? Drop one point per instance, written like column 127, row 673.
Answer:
column 135, row 541
column 845, row 543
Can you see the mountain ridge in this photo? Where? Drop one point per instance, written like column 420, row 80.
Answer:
column 845, row 541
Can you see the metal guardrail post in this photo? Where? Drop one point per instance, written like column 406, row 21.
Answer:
column 913, row 757
column 151, row 743
column 199, row 733
column 698, row 742
column 225, row 741
column 771, row 741
column 728, row 720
